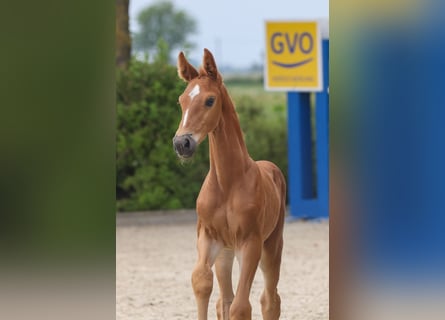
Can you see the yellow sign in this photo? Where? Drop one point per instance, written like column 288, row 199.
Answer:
column 293, row 56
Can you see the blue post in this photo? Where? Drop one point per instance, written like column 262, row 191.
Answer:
column 322, row 146
column 303, row 203
column 300, row 183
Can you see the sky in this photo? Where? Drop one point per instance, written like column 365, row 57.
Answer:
column 234, row 30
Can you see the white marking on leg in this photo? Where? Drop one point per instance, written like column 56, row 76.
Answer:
column 195, row 91
column 184, row 122
column 239, row 258
column 214, row 251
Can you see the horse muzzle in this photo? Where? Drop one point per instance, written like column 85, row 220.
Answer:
column 184, row 145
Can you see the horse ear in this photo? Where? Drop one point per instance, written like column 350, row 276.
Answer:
column 185, row 70
column 209, row 65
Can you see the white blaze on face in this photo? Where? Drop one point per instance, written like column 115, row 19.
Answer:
column 194, row 92
column 184, row 122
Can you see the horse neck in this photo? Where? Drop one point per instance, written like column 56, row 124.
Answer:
column 229, row 157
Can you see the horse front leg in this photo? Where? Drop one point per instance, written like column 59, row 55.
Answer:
column 202, row 276
column 248, row 256
column 223, row 268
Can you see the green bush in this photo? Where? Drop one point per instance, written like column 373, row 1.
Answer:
column 265, row 130
column 149, row 175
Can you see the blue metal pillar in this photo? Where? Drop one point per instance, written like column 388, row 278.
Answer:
column 303, row 202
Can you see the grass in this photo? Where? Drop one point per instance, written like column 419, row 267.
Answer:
column 274, row 102
column 255, row 89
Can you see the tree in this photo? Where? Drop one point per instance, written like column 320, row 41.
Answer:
column 163, row 21
column 123, row 39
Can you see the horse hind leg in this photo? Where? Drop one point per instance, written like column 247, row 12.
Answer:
column 223, row 270
column 270, row 267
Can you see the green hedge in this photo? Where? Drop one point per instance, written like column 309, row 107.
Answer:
column 265, row 130
column 149, row 175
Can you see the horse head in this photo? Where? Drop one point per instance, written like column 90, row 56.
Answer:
column 201, row 103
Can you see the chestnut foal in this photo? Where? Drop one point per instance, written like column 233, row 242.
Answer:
column 241, row 205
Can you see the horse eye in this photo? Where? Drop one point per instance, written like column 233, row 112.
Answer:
column 209, row 102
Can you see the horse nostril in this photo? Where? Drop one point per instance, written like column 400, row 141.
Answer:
column 186, row 143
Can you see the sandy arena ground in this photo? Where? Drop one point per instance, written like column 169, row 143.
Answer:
column 155, row 255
